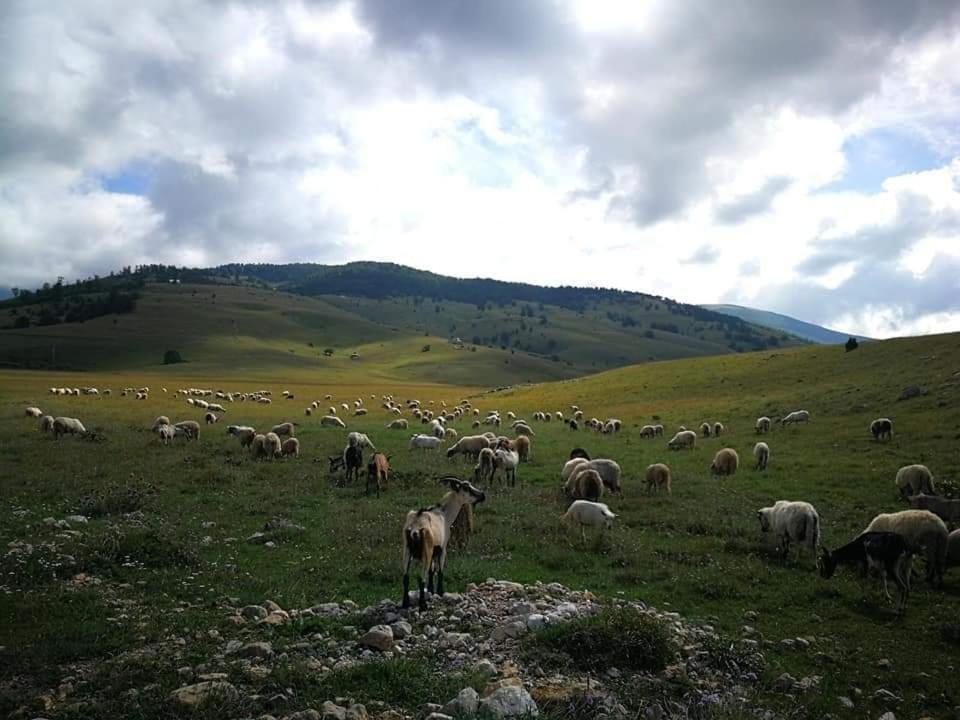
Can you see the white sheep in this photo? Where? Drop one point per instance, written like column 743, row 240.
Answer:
column 797, row 416
column 921, row 529
column 33, row 412
column 359, row 439
column 332, row 421
column 400, row 424
column 761, row 451
column 67, row 426
column 167, row 433
column 792, row 521
column 425, row 442
column 914, row 480
column 484, row 468
column 46, row 423
column 762, row 425
column 285, row 429
column 683, row 439
column 210, row 418
column 585, row 513
column 506, row 461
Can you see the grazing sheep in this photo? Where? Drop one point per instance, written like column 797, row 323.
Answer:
column 762, row 425
column 506, row 461
column 585, row 513
column 46, row 423
column 272, row 447
column 161, row 420
column 882, row 429
column 332, row 421
column 290, row 446
column 360, row 411
column 659, row 476
column 610, row 473
column 523, row 429
column 244, row 433
column 717, row 429
column 360, row 440
column 761, row 451
column 725, row 462
column 585, row 484
column 570, row 467
column 484, row 468
column 705, row 429
column 946, row 510
column 437, row 429
column 469, row 445
column 33, row 412
column 378, row 471
column 67, row 426
column 216, row 407
column 189, row 428
column 885, row 551
column 791, row 521
column 426, row 533
column 915, row 480
column 579, row 452
column 286, row 429
column 258, row 446
column 953, row 549
column 658, row 430
column 647, row 431
column 450, row 434
column 424, row 442
column 400, row 424
column 308, row 411
column 210, row 418
column 683, row 439
column 522, row 445
column 921, row 529
column 797, row 416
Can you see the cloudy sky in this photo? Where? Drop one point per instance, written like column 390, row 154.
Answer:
column 798, row 157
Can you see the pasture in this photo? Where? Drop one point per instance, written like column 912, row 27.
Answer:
column 698, row 552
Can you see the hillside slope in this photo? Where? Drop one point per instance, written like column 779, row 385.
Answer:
column 785, row 323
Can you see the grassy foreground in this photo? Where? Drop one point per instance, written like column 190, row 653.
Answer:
column 698, row 552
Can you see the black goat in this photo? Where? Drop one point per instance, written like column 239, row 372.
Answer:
column 886, row 552
column 351, row 461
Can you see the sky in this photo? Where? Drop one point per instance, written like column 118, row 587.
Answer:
column 797, row 157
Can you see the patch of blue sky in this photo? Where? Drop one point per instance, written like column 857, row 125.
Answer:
column 133, row 179
column 879, row 154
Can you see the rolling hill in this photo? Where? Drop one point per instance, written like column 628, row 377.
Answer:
column 260, row 316
column 765, row 318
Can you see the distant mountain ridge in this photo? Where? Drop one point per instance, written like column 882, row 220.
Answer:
column 777, row 321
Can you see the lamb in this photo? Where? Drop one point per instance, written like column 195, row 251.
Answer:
column 522, row 445
column 332, row 421
column 360, row 440
column 725, row 462
column 946, row 510
column 706, row 429
column 585, row 484
column 761, row 451
column 791, row 521
column 426, row 533
column 797, row 416
column 67, row 426
column 484, row 468
column 189, row 428
column 717, row 429
column 586, row 513
column 210, row 418
column 290, row 446
column 167, row 433
column 425, row 442
column 33, row 412
column 46, row 423
column 659, row 476
column 882, row 429
column 286, row 429
column 914, row 480
column 378, row 471
column 161, row 420
column 885, row 551
column 683, row 439
column 469, row 445
column 400, row 424
column 762, row 425
column 922, row 529
column 506, row 461
column 244, row 433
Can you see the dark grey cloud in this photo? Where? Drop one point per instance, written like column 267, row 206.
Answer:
column 746, row 206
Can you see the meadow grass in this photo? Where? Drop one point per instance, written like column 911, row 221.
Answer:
column 698, row 552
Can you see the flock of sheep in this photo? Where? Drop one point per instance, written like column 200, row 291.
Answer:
column 888, row 543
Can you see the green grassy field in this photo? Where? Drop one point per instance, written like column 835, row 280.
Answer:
column 698, row 552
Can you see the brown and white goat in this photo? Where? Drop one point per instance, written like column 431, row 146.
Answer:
column 378, row 471
column 426, row 535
